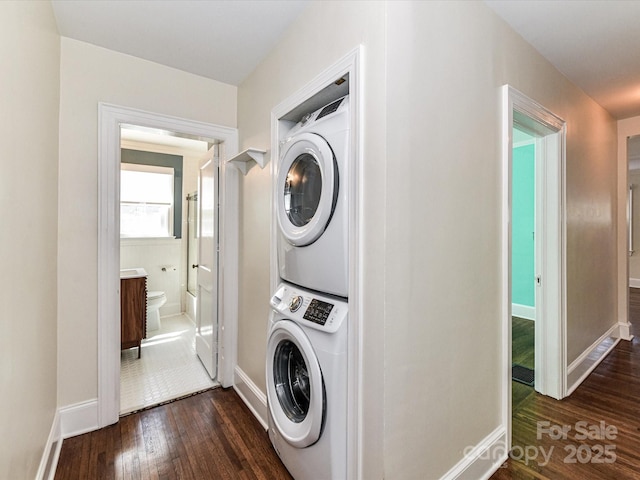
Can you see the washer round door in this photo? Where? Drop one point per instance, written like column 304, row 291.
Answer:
column 295, row 389
column 307, row 189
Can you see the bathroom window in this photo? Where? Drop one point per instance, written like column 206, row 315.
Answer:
column 146, row 201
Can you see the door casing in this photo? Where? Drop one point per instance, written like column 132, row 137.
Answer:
column 550, row 368
column 626, row 128
column 110, row 118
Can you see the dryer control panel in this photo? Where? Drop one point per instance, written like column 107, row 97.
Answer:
column 310, row 308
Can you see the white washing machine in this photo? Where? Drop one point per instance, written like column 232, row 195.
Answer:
column 312, row 202
column 307, row 383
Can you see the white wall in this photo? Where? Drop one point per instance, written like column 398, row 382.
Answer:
column 88, row 75
column 324, row 33
column 446, row 64
column 154, row 254
column 29, row 99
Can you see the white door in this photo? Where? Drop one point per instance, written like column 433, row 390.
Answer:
column 207, row 283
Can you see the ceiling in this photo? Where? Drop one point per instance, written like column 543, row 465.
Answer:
column 219, row 39
column 594, row 43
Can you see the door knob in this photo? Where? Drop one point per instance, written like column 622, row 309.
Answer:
column 194, row 266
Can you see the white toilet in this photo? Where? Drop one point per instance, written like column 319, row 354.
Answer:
column 155, row 299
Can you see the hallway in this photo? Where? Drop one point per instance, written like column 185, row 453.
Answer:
column 601, row 421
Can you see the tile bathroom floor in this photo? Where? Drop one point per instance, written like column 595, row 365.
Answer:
column 168, row 368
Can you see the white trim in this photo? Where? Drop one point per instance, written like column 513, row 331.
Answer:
column 507, row 125
column 588, row 360
column 228, row 258
column 110, row 117
column 525, row 143
column 254, row 398
column 51, row 453
column 550, row 345
column 624, row 331
column 351, row 63
column 483, row 460
column 627, row 127
column 190, row 309
column 523, row 311
column 149, row 241
column 634, row 282
column 79, row 418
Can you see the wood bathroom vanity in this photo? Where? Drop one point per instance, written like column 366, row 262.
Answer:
column 133, row 308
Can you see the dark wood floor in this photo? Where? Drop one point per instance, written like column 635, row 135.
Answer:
column 522, row 353
column 591, row 449
column 212, row 435
column 522, row 342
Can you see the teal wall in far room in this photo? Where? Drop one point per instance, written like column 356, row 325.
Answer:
column 523, row 226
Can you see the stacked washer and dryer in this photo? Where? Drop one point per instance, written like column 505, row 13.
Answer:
column 308, row 324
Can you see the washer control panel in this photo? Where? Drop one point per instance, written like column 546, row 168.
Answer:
column 314, row 310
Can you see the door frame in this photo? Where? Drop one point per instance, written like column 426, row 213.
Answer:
column 550, row 349
column 627, row 127
column 110, row 119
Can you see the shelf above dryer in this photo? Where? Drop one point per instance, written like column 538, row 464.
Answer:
column 248, row 158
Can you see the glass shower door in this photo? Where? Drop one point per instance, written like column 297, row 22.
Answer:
column 192, row 243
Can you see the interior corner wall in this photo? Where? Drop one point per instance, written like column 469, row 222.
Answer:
column 29, row 100
column 89, row 75
column 324, row 33
column 446, row 64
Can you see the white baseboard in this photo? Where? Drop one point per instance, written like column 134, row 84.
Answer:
column 624, row 331
column 251, row 395
column 523, row 311
column 79, row 418
column 49, row 460
column 582, row 366
column 634, row 282
column 190, row 309
column 483, row 460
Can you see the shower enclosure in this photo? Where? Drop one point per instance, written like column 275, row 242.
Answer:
column 192, row 244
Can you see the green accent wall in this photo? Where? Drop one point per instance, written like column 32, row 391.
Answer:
column 523, row 226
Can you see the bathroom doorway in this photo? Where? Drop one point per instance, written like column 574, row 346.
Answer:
column 110, row 119
column 156, row 169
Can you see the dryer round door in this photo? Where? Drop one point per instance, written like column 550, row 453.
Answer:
column 295, row 389
column 307, row 189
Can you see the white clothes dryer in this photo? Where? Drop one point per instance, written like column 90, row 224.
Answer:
column 306, row 378
column 312, row 201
